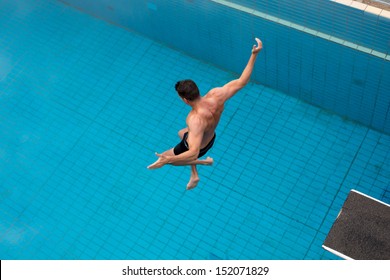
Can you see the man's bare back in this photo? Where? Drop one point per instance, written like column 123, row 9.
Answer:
column 210, row 110
column 199, row 135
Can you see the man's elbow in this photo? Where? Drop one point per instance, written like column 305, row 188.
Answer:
column 241, row 83
column 194, row 154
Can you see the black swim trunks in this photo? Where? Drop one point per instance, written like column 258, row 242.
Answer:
column 183, row 146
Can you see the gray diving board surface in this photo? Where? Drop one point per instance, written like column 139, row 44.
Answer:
column 361, row 230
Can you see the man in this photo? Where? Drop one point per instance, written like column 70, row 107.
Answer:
column 199, row 135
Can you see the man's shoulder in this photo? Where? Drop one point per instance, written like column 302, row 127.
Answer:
column 214, row 92
column 196, row 121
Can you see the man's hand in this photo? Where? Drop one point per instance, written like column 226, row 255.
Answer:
column 257, row 49
column 162, row 160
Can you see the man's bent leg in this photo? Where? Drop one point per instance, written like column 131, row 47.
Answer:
column 182, row 132
column 194, row 179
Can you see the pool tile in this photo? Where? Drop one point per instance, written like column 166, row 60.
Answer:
column 78, row 145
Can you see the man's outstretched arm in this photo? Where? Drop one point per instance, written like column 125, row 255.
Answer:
column 234, row 86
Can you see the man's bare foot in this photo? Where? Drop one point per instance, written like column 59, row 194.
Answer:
column 192, row 183
column 207, row 161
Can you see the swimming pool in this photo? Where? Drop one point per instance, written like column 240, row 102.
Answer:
column 84, row 105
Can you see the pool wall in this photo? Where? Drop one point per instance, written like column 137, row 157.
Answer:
column 328, row 54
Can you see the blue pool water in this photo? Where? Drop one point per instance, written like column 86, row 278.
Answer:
column 84, row 105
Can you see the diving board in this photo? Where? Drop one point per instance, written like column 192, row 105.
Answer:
column 361, row 230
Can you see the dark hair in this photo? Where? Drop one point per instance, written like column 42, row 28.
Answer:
column 187, row 89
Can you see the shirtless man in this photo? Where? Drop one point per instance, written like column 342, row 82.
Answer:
column 199, row 135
